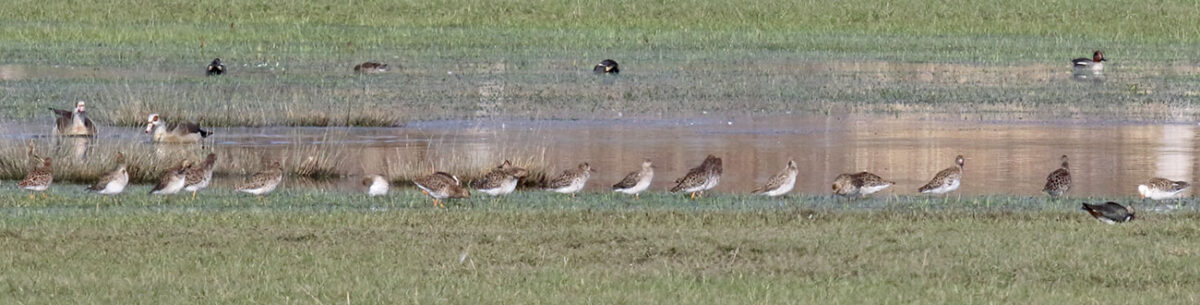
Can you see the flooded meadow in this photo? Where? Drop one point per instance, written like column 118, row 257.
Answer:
column 1009, row 156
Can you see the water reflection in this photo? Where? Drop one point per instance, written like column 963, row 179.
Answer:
column 1002, row 156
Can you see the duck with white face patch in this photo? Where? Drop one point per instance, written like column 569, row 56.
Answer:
column 185, row 132
column 74, row 122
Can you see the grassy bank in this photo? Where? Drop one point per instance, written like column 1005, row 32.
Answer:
column 313, row 247
column 291, row 65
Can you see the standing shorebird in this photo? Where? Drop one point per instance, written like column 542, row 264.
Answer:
column 1096, row 63
column 607, row 66
column 198, row 177
column 376, row 185
column 946, row 180
column 700, row 178
column 441, row 185
column 370, row 67
column 781, row 183
column 39, row 178
column 1160, row 188
column 185, row 132
column 73, row 123
column 637, row 181
column 859, row 184
column 500, row 181
column 571, row 181
column 114, row 182
column 1059, row 181
column 1109, row 212
column 173, row 180
column 264, row 181
column 214, row 68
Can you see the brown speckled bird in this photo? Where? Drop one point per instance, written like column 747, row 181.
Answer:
column 1161, row 188
column 114, row 182
column 264, row 181
column 859, row 184
column 637, row 181
column 946, row 180
column 198, row 177
column 700, row 178
column 781, row 183
column 39, row 178
column 571, row 181
column 1059, row 181
column 441, row 185
column 500, row 181
column 173, row 180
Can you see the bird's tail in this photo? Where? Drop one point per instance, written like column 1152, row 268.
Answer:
column 205, row 133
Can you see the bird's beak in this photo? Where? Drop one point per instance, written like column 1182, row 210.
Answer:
column 149, row 127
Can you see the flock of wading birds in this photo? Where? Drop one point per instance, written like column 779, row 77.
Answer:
column 191, row 176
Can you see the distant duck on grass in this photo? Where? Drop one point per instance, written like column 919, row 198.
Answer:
column 1096, row 63
column 370, row 68
column 607, row 66
column 1109, row 212
column 214, row 68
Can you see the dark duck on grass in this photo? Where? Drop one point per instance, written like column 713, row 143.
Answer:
column 370, row 67
column 1109, row 212
column 607, row 66
column 215, row 67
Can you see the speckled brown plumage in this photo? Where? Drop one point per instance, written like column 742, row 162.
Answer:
column 1059, row 181
column 700, row 178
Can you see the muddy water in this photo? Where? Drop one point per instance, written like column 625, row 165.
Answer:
column 1008, row 156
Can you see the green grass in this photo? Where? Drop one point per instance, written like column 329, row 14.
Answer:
column 290, row 65
column 322, row 248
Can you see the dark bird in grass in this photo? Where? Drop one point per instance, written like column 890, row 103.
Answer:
column 74, row 122
column 370, row 68
column 215, row 67
column 1094, row 63
column 607, row 66
column 1059, row 181
column 1110, row 212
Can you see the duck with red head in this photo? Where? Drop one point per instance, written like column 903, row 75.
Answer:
column 1095, row 63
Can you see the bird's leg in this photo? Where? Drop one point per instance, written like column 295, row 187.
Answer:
column 572, row 195
column 194, row 194
column 30, row 195
column 635, row 196
column 693, row 196
column 44, row 196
